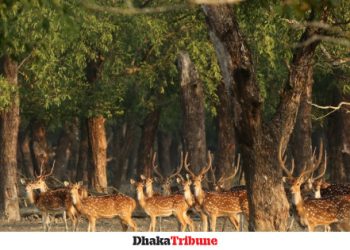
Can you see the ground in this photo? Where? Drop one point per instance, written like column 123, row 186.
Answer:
column 32, row 223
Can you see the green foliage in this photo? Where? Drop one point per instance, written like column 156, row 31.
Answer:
column 7, row 92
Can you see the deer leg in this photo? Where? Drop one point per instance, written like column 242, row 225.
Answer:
column 152, row 225
column 189, row 222
column 90, row 223
column 93, row 225
column 233, row 220
column 310, row 228
column 65, row 220
column 213, row 223
column 204, row 219
column 182, row 221
column 124, row 224
column 73, row 216
column 131, row 223
column 44, row 218
column 160, row 224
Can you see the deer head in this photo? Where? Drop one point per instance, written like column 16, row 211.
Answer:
column 219, row 185
column 197, row 179
column 296, row 182
column 167, row 181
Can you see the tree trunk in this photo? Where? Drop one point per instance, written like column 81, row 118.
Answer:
column 74, row 149
column 225, row 155
column 28, row 167
column 301, row 140
column 339, row 140
column 192, row 102
column 268, row 204
column 98, row 145
column 145, row 151
column 123, row 137
column 63, row 153
column 39, row 148
column 83, row 161
column 164, row 144
column 9, row 126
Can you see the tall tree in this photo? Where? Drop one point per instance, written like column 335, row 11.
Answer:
column 192, row 102
column 97, row 133
column 339, row 139
column 301, row 140
column 226, row 150
column 259, row 141
column 148, row 136
column 9, row 125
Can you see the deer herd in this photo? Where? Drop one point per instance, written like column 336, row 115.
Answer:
column 314, row 201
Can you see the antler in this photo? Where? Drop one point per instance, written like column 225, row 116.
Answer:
column 235, row 167
column 316, row 163
column 204, row 170
column 156, row 168
column 324, row 168
column 282, row 162
column 46, row 175
column 178, row 170
column 186, row 165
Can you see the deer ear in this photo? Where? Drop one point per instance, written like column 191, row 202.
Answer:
column 178, row 180
column 284, row 179
column 80, row 183
column 188, row 176
column 156, row 179
column 132, row 181
column 143, row 177
column 66, row 183
column 23, row 181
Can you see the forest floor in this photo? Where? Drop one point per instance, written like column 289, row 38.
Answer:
column 32, row 223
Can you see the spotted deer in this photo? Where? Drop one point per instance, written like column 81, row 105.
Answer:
column 165, row 182
column 107, row 206
column 322, row 188
column 50, row 201
column 240, row 190
column 315, row 212
column 217, row 204
column 163, row 206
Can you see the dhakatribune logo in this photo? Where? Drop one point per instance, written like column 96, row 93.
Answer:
column 174, row 241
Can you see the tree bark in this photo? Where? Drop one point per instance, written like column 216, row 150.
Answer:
column 98, row 146
column 145, row 152
column 339, row 140
column 192, row 102
column 97, row 133
column 63, row 153
column 28, row 167
column 123, row 137
column 83, row 161
column 259, row 142
column 39, row 148
column 9, row 126
column 226, row 152
column 164, row 143
column 301, row 140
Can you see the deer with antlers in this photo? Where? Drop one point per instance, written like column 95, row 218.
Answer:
column 217, row 204
column 163, row 206
column 165, row 182
column 50, row 201
column 314, row 212
column 322, row 188
column 107, row 206
column 240, row 190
